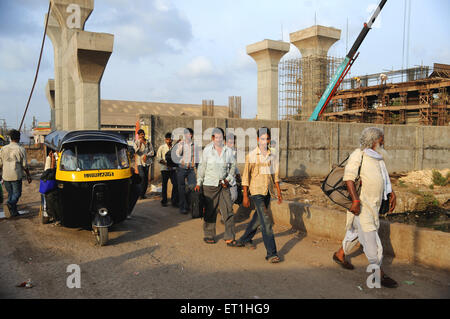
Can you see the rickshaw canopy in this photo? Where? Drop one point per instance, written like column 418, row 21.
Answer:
column 57, row 139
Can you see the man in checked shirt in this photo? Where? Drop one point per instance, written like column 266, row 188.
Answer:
column 260, row 174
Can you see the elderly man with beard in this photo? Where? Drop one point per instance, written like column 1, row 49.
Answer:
column 363, row 218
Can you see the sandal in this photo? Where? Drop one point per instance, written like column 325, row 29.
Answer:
column 209, row 240
column 388, row 282
column 344, row 264
column 232, row 243
column 274, row 259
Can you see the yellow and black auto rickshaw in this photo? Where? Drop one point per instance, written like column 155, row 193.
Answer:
column 94, row 180
column 3, row 141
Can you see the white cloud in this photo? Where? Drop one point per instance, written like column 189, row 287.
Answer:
column 144, row 29
column 16, row 55
column 198, row 67
column 162, row 5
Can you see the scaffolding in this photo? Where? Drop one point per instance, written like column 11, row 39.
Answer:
column 423, row 99
column 234, row 106
column 302, row 82
column 394, row 76
column 208, row 108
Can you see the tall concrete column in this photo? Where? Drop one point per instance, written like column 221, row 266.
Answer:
column 267, row 54
column 314, row 43
column 50, row 94
column 54, row 33
column 86, row 59
column 82, row 57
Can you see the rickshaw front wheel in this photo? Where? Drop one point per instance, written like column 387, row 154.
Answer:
column 101, row 235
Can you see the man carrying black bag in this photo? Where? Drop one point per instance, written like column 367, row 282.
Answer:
column 49, row 193
column 216, row 172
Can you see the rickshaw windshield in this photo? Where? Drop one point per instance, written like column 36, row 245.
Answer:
column 94, row 156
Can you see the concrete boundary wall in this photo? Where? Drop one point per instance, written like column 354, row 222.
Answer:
column 415, row 244
column 311, row 148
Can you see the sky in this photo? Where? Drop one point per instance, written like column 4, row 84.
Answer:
column 184, row 51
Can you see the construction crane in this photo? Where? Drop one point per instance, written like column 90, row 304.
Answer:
column 345, row 66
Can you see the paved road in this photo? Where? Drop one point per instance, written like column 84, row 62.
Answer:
column 160, row 254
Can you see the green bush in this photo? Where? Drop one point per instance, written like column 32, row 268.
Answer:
column 426, row 201
column 440, row 180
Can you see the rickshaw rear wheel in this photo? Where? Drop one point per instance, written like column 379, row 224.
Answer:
column 101, row 235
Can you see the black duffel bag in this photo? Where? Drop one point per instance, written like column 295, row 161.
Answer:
column 197, row 204
column 336, row 189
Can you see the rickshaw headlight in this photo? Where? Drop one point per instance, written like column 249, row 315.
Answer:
column 103, row 212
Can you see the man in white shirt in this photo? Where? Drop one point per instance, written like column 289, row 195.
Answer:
column 187, row 158
column 13, row 162
column 216, row 173
column 143, row 160
column 167, row 172
column 363, row 218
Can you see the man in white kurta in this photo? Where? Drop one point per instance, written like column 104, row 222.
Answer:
column 363, row 219
column 364, row 227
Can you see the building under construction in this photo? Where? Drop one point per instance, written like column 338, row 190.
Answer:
column 417, row 95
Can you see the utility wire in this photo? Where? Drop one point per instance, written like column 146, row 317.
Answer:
column 39, row 64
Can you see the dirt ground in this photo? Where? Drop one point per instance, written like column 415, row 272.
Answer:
column 160, row 253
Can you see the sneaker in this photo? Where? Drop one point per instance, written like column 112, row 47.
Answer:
column 164, row 204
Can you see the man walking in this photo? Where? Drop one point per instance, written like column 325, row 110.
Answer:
column 13, row 161
column 143, row 160
column 187, row 154
column 261, row 172
column 167, row 172
column 216, row 173
column 363, row 218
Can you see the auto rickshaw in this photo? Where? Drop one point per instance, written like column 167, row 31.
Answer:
column 3, row 141
column 95, row 185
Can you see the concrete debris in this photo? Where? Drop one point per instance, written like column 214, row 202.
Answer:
column 424, row 177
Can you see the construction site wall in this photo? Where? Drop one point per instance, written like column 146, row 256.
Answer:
column 311, row 148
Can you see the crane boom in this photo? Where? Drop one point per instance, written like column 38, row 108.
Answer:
column 345, row 66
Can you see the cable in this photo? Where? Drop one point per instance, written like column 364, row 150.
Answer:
column 39, row 64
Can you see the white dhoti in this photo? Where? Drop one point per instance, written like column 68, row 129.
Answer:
column 369, row 240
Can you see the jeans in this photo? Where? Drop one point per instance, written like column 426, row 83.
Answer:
column 14, row 189
column 172, row 175
column 182, row 175
column 261, row 218
column 143, row 173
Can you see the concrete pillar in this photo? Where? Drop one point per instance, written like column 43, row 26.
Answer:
column 81, row 58
column 54, row 33
column 267, row 54
column 86, row 58
column 50, row 94
column 314, row 43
